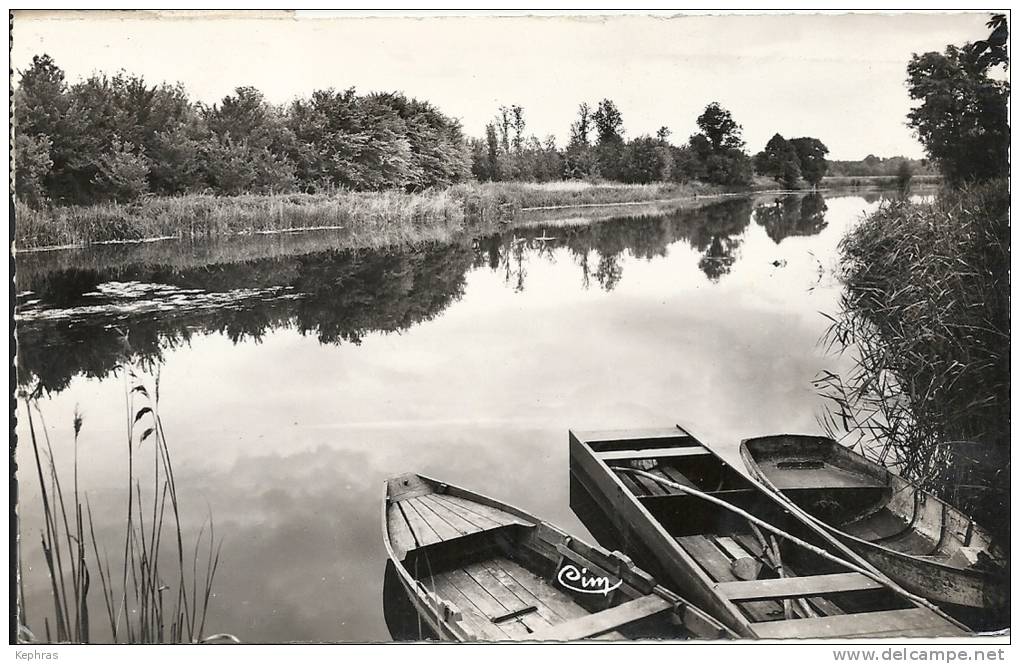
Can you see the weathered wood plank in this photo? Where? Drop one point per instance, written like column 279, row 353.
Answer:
column 498, row 516
column 675, row 475
column 733, row 548
column 533, row 620
column 879, row 623
column 487, row 604
column 453, row 518
column 717, row 566
column 423, row 532
column 443, row 529
column 401, row 536
column 651, row 487
column 470, row 613
column 498, row 567
column 652, row 453
column 608, row 620
column 557, row 600
column 797, row 586
column 631, row 484
column 479, row 521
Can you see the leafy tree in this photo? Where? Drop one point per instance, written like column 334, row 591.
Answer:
column 579, row 160
column 962, row 118
column 992, row 52
column 32, row 163
column 779, row 161
column 609, row 146
column 731, row 167
column 121, row 173
column 811, row 155
column 608, row 123
column 40, row 117
column 641, row 161
column 716, row 123
column 581, row 128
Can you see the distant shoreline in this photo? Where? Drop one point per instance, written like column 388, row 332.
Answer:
column 373, row 218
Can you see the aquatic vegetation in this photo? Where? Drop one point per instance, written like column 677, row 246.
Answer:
column 925, row 317
column 148, row 599
column 369, row 218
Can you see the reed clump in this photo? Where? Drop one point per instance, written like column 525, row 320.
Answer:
column 374, row 218
column 203, row 216
column 925, row 318
column 161, row 590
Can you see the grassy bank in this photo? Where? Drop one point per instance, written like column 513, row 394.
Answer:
column 875, row 181
column 926, row 317
column 380, row 217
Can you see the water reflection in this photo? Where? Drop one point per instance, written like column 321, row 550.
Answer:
column 792, row 216
column 89, row 321
column 294, row 382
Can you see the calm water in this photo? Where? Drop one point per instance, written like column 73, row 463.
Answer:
column 292, row 386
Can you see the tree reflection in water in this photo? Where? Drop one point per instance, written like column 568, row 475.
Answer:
column 87, row 322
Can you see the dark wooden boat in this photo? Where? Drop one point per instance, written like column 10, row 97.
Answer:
column 476, row 569
column 757, row 584
column 919, row 541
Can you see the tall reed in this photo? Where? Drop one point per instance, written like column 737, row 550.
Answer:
column 925, row 320
column 151, row 600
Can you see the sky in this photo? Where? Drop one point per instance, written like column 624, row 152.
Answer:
column 837, row 77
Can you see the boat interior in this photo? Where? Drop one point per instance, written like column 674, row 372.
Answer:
column 497, row 571
column 769, row 578
column 862, row 500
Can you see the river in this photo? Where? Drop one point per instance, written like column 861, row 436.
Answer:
column 293, row 381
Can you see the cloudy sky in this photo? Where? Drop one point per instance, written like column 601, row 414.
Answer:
column 837, row 77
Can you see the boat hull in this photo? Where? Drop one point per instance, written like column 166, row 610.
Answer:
column 936, row 527
column 669, row 543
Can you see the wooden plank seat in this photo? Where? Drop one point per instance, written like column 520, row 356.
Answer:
column 652, row 453
column 797, row 586
column 607, row 620
column 898, row 622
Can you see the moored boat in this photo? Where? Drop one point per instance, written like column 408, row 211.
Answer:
column 733, row 548
column 923, row 543
column 476, row 569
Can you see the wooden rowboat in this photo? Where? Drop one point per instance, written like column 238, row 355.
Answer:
column 476, row 569
column 919, row 541
column 703, row 527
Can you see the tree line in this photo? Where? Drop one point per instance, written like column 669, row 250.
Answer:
column 597, row 149
column 116, row 138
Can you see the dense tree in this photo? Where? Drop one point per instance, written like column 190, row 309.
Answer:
column 578, row 159
column 963, row 116
column 32, row 164
column 116, row 137
column 779, row 161
column 608, row 123
column 121, row 173
column 811, row 154
column 716, row 123
column 646, row 160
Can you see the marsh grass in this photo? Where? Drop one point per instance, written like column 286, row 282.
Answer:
column 372, row 218
column 925, row 319
column 203, row 216
column 148, row 599
column 876, row 181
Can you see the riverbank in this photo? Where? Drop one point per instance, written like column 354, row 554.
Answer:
column 926, row 312
column 877, row 181
column 379, row 218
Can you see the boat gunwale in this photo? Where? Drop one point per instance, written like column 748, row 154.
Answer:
column 706, row 582
column 759, row 475
column 680, row 604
